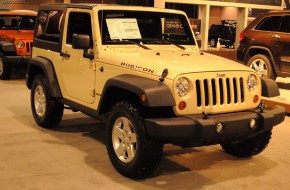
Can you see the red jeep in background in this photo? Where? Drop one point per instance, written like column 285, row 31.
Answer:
column 16, row 35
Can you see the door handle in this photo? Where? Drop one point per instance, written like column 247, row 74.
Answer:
column 276, row 36
column 66, row 55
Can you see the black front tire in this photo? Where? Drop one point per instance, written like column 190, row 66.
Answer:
column 5, row 69
column 132, row 152
column 250, row 147
column 47, row 111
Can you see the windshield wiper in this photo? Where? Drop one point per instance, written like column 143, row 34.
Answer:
column 161, row 41
column 138, row 44
column 177, row 45
column 131, row 42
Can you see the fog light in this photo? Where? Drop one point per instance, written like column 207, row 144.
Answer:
column 219, row 127
column 252, row 123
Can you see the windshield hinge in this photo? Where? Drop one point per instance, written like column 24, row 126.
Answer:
column 163, row 75
column 92, row 92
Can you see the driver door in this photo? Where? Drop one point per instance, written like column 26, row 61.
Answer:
column 78, row 73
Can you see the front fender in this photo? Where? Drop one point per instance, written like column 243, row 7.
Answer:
column 269, row 88
column 40, row 65
column 157, row 93
column 6, row 47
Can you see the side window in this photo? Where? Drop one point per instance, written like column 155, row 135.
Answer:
column 269, row 23
column 285, row 25
column 48, row 26
column 79, row 23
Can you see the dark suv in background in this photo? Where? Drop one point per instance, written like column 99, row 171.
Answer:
column 265, row 44
column 226, row 34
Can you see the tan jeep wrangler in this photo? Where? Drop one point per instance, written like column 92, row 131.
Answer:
column 142, row 67
column 16, row 34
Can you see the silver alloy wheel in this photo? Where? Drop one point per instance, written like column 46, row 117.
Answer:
column 124, row 139
column 260, row 66
column 1, row 66
column 39, row 101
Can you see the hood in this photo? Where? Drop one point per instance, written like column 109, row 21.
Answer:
column 176, row 61
column 16, row 35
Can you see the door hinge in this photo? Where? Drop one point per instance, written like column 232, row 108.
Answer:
column 94, row 66
column 92, row 92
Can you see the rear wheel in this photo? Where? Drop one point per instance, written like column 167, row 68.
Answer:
column 249, row 147
column 5, row 69
column 47, row 111
column 132, row 152
column 262, row 65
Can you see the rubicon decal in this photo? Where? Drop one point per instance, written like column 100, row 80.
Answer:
column 136, row 67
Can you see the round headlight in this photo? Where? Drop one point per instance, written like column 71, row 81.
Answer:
column 182, row 86
column 252, row 82
column 20, row 44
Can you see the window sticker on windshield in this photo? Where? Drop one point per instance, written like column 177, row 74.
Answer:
column 120, row 29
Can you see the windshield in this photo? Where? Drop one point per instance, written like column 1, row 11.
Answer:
column 15, row 22
column 119, row 27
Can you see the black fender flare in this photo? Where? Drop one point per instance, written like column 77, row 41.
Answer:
column 42, row 65
column 269, row 88
column 6, row 47
column 157, row 93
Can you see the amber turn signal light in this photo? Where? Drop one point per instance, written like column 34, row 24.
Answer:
column 143, row 97
column 256, row 99
column 182, row 105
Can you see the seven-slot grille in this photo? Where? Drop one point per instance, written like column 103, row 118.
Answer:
column 219, row 91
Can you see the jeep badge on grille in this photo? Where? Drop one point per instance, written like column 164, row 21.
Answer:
column 220, row 75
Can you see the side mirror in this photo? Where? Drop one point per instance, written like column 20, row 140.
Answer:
column 80, row 41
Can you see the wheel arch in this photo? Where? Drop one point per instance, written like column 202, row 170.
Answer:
column 269, row 88
column 255, row 50
column 7, row 47
column 41, row 65
column 131, row 88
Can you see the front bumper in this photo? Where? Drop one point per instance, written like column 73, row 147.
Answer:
column 194, row 130
column 16, row 59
